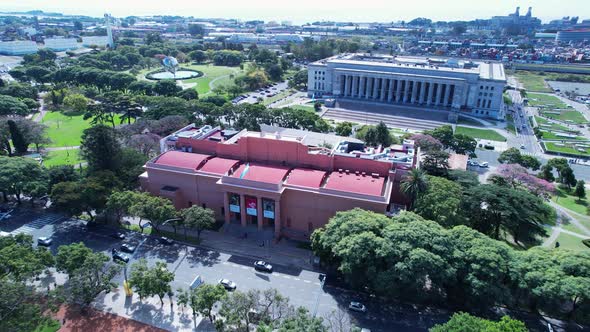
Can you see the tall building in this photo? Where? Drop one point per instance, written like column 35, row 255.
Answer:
column 287, row 182
column 18, row 47
column 464, row 86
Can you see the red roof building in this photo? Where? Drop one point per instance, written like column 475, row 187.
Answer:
column 277, row 179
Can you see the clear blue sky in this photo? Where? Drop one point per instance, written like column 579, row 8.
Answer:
column 300, row 11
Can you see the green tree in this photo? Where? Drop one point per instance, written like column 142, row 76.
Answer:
column 343, row 129
column 198, row 56
column 464, row 322
column 151, row 281
column 383, row 136
column 20, row 261
column 22, row 176
column 93, row 277
column 153, row 208
column 13, row 106
column 580, row 190
column 436, row 162
column 20, row 145
column 101, row 148
column 443, row 134
column 198, row 218
column 71, row 257
column 464, row 144
column 166, row 88
column 128, row 108
column 414, row 183
column 547, row 173
column 76, row 102
column 207, row 295
column 441, row 202
column 513, row 156
column 302, row 321
column 119, row 203
column 567, row 177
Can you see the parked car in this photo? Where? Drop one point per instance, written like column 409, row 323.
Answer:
column 472, row 163
column 357, row 306
column 166, row 241
column 126, row 247
column 119, row 256
column 228, row 284
column 522, row 146
column 484, row 164
column 44, row 241
column 263, row 266
column 118, row 235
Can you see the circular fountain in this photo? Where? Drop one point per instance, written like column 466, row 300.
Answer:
column 171, row 71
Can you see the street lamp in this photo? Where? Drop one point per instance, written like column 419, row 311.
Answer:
column 322, row 278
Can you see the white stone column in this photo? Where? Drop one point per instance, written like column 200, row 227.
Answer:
column 369, row 87
column 355, row 86
column 414, row 92
column 407, row 91
column 438, row 94
column 398, row 92
column 447, row 95
column 430, row 93
column 383, row 89
column 422, row 96
column 347, row 86
column 390, row 90
column 375, row 87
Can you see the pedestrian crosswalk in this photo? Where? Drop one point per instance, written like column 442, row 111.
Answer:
column 38, row 223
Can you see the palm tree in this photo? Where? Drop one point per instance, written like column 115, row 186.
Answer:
column 414, row 184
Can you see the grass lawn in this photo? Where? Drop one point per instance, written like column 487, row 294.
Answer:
column 532, row 81
column 545, row 124
column 567, row 241
column 211, row 73
column 470, row 122
column 541, row 100
column 51, row 326
column 480, row 133
column 567, row 148
column 570, row 202
column 62, row 157
column 278, row 96
column 572, row 116
column 554, row 136
column 303, row 108
column 66, row 130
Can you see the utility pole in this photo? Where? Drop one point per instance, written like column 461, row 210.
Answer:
column 317, row 300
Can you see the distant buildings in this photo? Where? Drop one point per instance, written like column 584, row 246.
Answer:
column 61, row 44
column 577, row 35
column 516, row 23
column 466, row 86
column 18, row 47
column 101, row 41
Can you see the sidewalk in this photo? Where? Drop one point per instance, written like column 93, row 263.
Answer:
column 227, row 240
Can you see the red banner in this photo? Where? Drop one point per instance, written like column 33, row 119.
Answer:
column 251, row 206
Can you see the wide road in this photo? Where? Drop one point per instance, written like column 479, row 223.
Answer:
column 301, row 286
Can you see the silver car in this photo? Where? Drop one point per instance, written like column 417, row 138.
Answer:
column 357, row 306
column 228, row 284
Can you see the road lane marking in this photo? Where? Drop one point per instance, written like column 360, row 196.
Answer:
column 307, row 281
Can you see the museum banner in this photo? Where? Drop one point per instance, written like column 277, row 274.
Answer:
column 251, row 206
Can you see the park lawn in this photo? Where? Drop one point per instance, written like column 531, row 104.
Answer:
column 542, row 100
column 210, row 73
column 302, row 107
column 554, row 126
column 66, row 130
column 62, row 157
column 570, row 202
column 567, row 241
column 470, row 122
column 566, row 116
column 277, row 97
column 480, row 133
column 532, row 81
column 552, row 135
column 552, row 147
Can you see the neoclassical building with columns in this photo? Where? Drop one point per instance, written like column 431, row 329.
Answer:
column 464, row 86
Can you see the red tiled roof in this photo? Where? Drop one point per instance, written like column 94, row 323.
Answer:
column 353, row 183
column 181, row 159
column 261, row 173
column 303, row 177
column 218, row 165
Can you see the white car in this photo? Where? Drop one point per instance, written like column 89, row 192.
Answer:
column 357, row 306
column 228, row 284
column 484, row 164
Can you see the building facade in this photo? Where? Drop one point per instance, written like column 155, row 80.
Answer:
column 18, row 47
column 471, row 87
column 61, row 44
column 279, row 180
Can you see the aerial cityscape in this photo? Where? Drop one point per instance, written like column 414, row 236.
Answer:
column 313, row 167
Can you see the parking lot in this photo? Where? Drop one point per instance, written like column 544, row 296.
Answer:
column 268, row 91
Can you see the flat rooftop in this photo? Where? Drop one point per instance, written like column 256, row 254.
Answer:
column 356, row 183
column 261, row 173
column 485, row 70
column 218, row 166
column 307, row 178
column 181, row 159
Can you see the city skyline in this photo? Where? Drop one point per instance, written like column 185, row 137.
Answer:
column 305, row 11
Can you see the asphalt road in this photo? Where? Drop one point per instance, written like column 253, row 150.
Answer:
column 252, row 97
column 301, row 286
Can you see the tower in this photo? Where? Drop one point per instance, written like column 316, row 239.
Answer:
column 110, row 41
column 528, row 13
column 517, row 13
